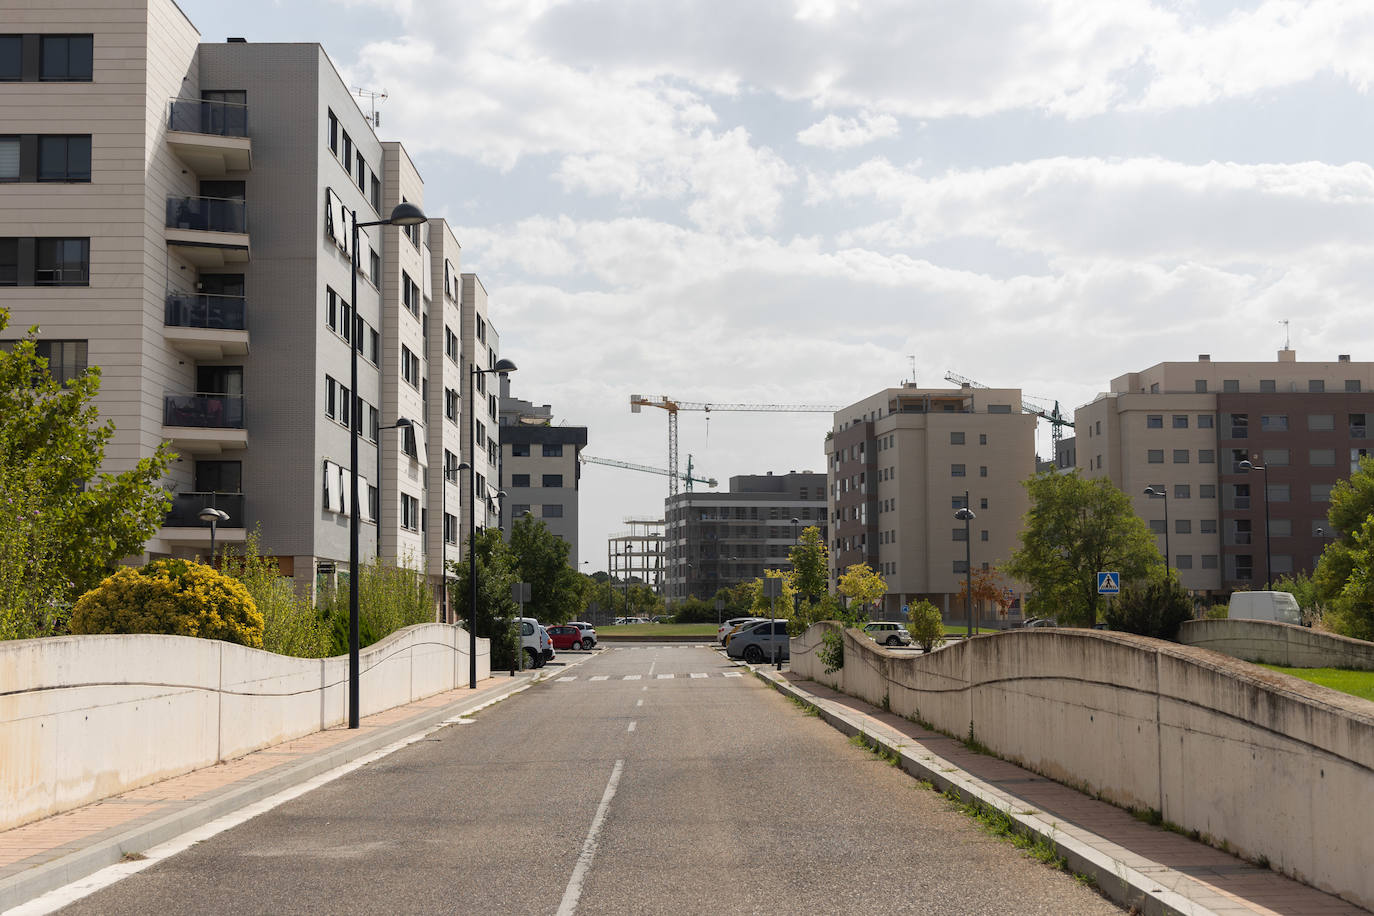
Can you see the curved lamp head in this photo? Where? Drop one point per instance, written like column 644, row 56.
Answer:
column 1151, row 491
column 209, row 514
column 796, row 521
column 407, row 214
column 503, row 366
column 965, row 515
column 1245, row 465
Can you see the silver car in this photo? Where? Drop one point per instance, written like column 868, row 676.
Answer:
column 889, row 634
column 755, row 644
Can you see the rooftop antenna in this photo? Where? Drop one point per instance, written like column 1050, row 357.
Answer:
column 373, row 97
column 1284, row 322
column 913, row 369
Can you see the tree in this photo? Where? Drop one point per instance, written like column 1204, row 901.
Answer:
column 863, row 587
column 496, row 609
column 986, row 589
column 810, row 558
column 1154, row 608
column 1344, row 578
column 67, row 524
column 925, row 624
column 1076, row 528
column 781, row 607
column 540, row 557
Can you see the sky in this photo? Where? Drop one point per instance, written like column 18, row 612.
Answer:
column 807, row 201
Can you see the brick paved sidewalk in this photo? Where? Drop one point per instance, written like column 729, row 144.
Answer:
column 46, row 854
column 1173, row 872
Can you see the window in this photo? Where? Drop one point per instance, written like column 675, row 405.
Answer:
column 983, row 470
column 1180, row 456
column 9, row 159
column 1180, row 421
column 1237, row 456
column 1240, row 425
column 331, row 398
column 450, row 529
column 982, row 503
column 1357, row 426
column 1315, row 385
column 551, row 480
column 410, row 294
column 1207, row 526
column 983, row 535
column 1267, row 386
column 982, row 438
column 1230, row 385
column 1183, row 491
column 1277, row 492
column 347, row 157
column 1321, row 493
column 1321, row 457
column 333, row 133
column 520, row 480
column 11, row 57
column 410, row 367
column 519, row 510
column 956, row 470
column 410, row 512
column 374, row 266
column 65, row 58
column 1206, row 456
column 553, row 451
column 1274, row 423
column 345, row 405
column 362, row 173
column 960, row 567
column 1356, row 456
column 1157, row 526
column 553, row 510
column 1205, row 421
column 1207, row 491
column 1241, row 532
column 451, row 344
column 1183, row 526
column 67, row 359
column 999, row 408
column 1183, row 561
column 958, row 502
column 1155, row 456
column 61, row 262
column 64, row 158
column 1240, row 496
column 956, row 438
column 1200, row 386
column 376, row 194
column 1209, row 561
column 1352, row 384
column 1154, row 421
column 451, row 404
column 1281, row 528
column 520, row 449
column 1277, row 457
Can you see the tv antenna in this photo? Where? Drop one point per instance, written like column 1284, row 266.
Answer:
column 1286, row 340
column 373, row 97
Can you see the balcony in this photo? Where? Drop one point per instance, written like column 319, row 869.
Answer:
column 209, row 232
column 204, row 424
column 206, row 326
column 183, row 525
column 210, row 137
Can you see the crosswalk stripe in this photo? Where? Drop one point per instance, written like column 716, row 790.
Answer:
column 601, row 677
column 733, row 674
column 564, row 680
column 665, row 677
column 700, row 675
column 632, row 677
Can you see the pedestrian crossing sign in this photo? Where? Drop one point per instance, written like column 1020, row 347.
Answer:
column 1109, row 583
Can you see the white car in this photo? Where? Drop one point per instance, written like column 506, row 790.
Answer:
column 535, row 645
column 889, row 634
column 725, row 628
column 588, row 633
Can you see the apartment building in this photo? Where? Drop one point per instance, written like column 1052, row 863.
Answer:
column 181, row 214
column 901, row 463
column 1183, row 429
column 716, row 540
column 480, row 345
column 540, row 471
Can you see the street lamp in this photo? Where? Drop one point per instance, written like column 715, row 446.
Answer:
column 1247, row 466
column 503, row 368
column 1162, row 492
column 213, row 516
column 965, row 515
column 401, row 423
column 403, row 214
column 629, row 567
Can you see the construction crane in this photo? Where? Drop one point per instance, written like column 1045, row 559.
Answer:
column 1041, row 408
column 687, row 478
column 672, row 405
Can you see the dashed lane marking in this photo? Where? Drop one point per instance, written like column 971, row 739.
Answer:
column 665, row 677
column 601, row 677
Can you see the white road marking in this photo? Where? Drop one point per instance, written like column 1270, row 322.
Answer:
column 573, row 894
column 699, row 674
column 564, row 680
column 632, row 677
column 632, row 727
column 665, row 677
column 601, row 677
column 639, row 702
column 651, row 667
column 733, row 674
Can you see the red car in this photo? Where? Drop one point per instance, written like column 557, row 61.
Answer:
column 565, row 636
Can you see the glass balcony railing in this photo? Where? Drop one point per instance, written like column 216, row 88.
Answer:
column 185, row 512
column 197, row 116
column 209, row 214
column 203, row 411
column 203, row 310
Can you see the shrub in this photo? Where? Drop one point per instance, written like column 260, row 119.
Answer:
column 389, row 597
column 695, row 610
column 175, row 597
column 926, row 626
column 291, row 623
column 1155, row 609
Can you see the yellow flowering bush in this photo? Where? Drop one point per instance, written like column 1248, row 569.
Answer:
column 175, row 597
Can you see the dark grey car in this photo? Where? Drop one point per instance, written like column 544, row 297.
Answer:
column 755, row 644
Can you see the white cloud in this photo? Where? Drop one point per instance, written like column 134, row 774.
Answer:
column 836, row 133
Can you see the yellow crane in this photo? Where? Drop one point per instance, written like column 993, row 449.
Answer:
column 673, row 405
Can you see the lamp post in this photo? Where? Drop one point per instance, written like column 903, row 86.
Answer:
column 401, row 423
column 1158, row 493
column 503, row 368
column 403, row 214
column 213, row 516
column 1247, row 466
column 966, row 515
column 629, row 565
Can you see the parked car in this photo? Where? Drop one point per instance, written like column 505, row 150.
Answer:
column 1041, row 622
column 756, row 642
column 588, row 633
column 547, row 645
column 744, row 625
column 725, row 628
column 533, row 639
column 889, row 634
column 567, row 636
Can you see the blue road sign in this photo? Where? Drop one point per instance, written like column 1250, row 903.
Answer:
column 1109, row 583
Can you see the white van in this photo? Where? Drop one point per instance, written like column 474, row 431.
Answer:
column 534, row 640
column 1279, row 607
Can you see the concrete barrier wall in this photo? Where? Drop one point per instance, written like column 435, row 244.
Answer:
column 86, row 717
column 1278, row 644
column 1276, row 768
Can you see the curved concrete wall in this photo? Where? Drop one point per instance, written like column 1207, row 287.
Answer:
column 86, row 717
column 1274, row 766
column 1278, row 644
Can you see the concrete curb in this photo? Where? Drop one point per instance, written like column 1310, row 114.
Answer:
column 1118, row 882
column 49, row 876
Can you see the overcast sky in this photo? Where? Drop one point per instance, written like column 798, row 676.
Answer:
column 785, row 202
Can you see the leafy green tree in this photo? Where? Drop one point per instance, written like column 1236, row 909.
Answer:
column 540, row 558
column 810, row 558
column 781, row 607
column 924, row 623
column 1076, row 528
column 864, row 588
column 1344, row 579
column 67, row 523
column 1303, row 588
column 1155, row 608
column 496, row 609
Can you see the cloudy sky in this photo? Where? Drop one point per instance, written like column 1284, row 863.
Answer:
column 804, row 201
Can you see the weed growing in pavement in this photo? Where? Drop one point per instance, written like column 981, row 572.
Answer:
column 887, row 702
column 807, row 709
column 133, row 857
column 887, row 755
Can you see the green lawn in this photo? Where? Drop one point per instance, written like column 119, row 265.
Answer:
column 1355, row 683
column 658, row 629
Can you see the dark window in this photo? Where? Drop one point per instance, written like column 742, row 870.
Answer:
column 65, row 57
column 553, row 510
column 1204, row 421
column 1352, row 384
column 376, row 194
column 62, row 262
column 956, row 438
column 520, row 480
column 219, row 477
column 1154, row 421
column 1230, row 385
column 1180, row 421
column 1183, row 491
column 347, row 150
column 66, row 358
column 551, row 480
column 362, row 174
column 1274, row 422
column 1155, row 455
column 333, row 133
column 1268, row 386
column 956, row 470
column 9, row 262
column 1316, row 385
column 520, row 449
column 553, row 451
column 1200, row 386
column 11, row 57
column 1207, row 491
column 1180, row 456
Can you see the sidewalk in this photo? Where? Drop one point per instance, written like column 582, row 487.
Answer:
column 58, row 850
column 1134, row 863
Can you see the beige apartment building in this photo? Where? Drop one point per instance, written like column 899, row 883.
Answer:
column 180, row 214
column 902, row 462
column 1182, row 429
column 540, row 472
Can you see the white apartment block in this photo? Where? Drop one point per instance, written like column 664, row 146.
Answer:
column 900, row 464
column 179, row 214
column 1183, row 428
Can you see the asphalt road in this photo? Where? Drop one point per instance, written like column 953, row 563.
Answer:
column 695, row 793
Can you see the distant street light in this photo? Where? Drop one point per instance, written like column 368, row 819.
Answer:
column 965, row 515
column 1246, row 466
column 503, row 368
column 213, row 516
column 1158, row 493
